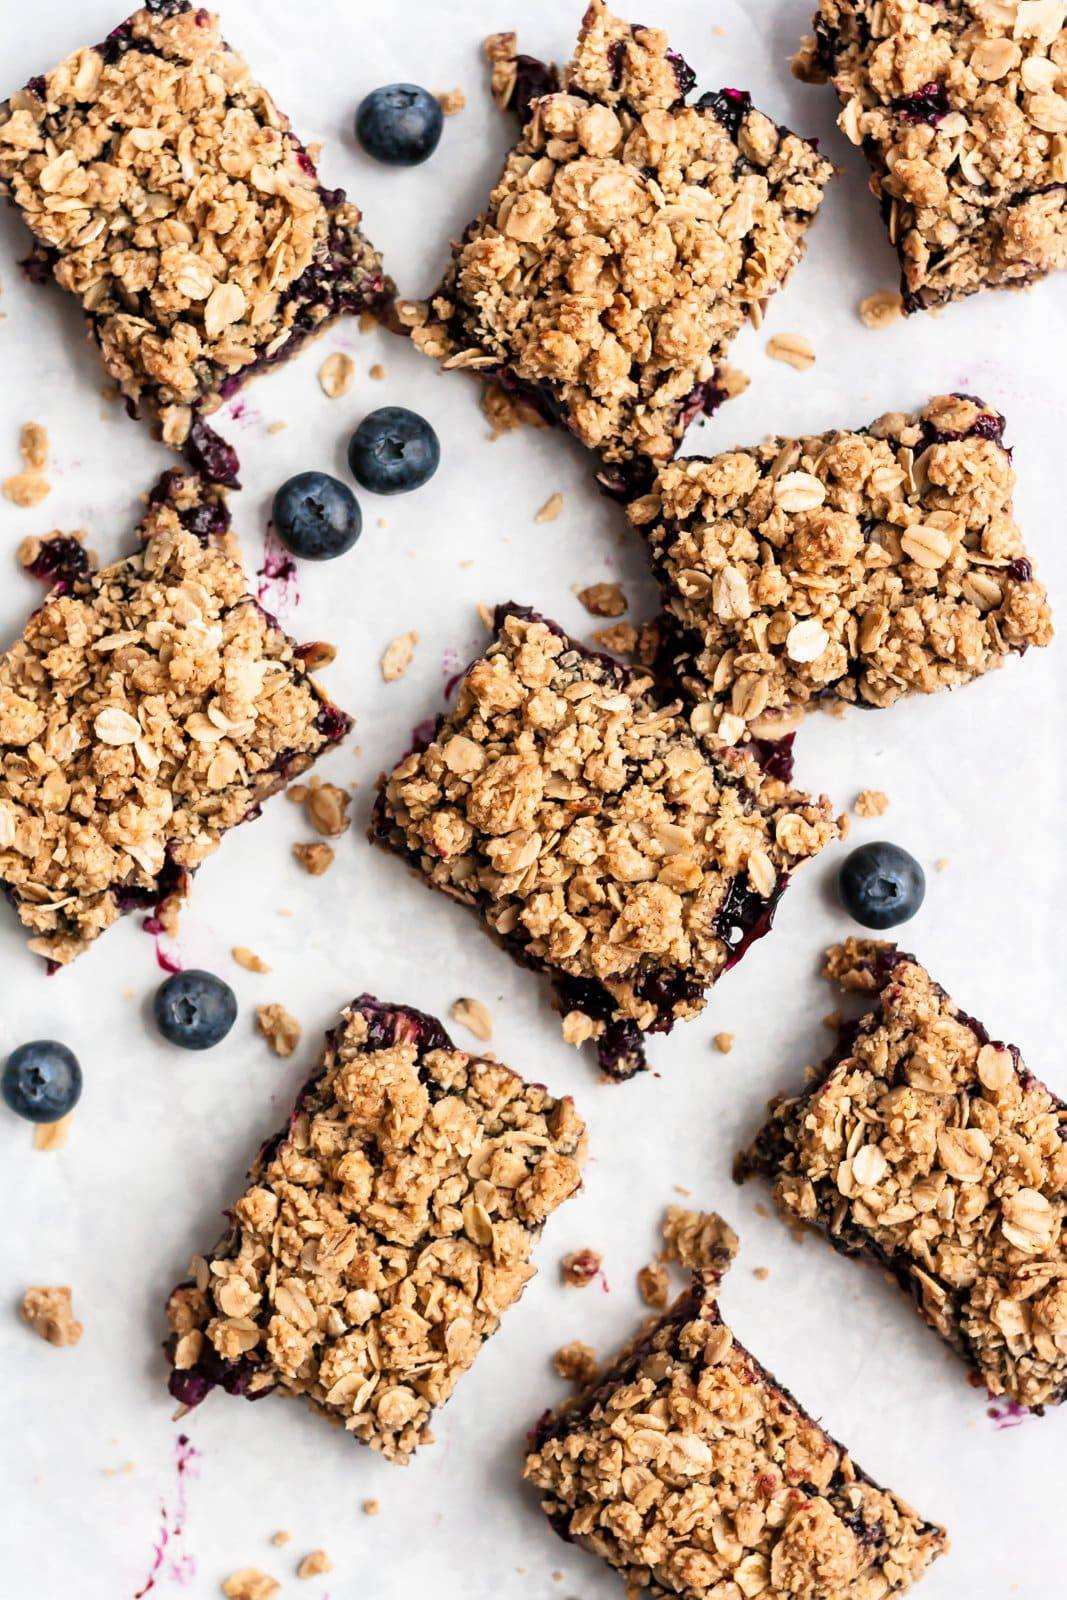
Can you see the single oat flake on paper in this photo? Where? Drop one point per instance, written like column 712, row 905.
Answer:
column 629, row 237
column 164, row 188
column 930, row 1149
column 149, row 707
column 688, row 1468
column 383, row 1232
column 854, row 567
column 596, row 835
column 960, row 107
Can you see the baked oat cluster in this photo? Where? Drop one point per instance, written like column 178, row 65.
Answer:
column 148, row 708
column 931, row 1149
column 961, row 109
column 165, row 189
column 690, row 1471
column 596, row 835
column 856, row 567
column 628, row 239
column 383, row 1234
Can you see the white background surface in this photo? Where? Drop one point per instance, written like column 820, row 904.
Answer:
column 161, row 1138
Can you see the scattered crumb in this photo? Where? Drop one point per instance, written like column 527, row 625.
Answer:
column 793, row 349
column 680, row 1188
column 314, row 1564
column 336, row 374
column 53, row 1135
column 603, row 599
column 251, row 1584
column 367, row 320
column 506, row 412
column 871, row 803
column 377, row 372
column 761, row 1209
column 844, row 825
column 314, row 858
column 326, row 806
column 474, row 1016
column 576, row 1362
column 298, row 793
column 557, row 1577
column 724, row 1043
column 49, row 1313
column 123, row 1471
column 248, row 959
column 371, row 1508
column 281, row 1537
column 26, row 488
column 941, row 864
column 279, row 1027
column 485, row 615
column 551, row 509
column 832, row 1019
column 33, row 446
column 451, row 101
column 277, row 426
column 881, row 309
column 762, row 1273
column 398, row 656
column 699, row 1240
column 620, row 638
column 653, row 1285
column 580, row 1267
column 731, row 381
column 318, row 654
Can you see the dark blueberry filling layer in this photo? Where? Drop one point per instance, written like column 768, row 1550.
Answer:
column 729, row 106
column 60, row 563
column 533, row 79
column 928, row 104
column 209, row 453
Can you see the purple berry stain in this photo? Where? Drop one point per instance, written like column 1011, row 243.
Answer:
column 928, row 104
column 278, row 588
column 170, row 1561
column 1006, row 1413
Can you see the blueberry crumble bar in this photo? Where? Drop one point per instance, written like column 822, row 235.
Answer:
column 598, row 838
column 148, row 707
column 165, row 189
column 383, row 1233
column 690, row 1470
column 961, row 110
column 856, row 567
column 930, row 1149
column 627, row 240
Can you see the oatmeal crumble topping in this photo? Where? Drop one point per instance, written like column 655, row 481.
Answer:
column 398, row 656
column 33, row 446
column 871, row 803
column 314, row 1564
column 50, row 1314
column 551, row 509
column 961, row 110
column 383, row 1234
column 699, row 1240
column 314, row 858
column 371, row 1508
column 620, row 639
column 931, row 1149
column 149, row 707
column 279, row 1027
column 580, row 1268
column 576, row 1362
column 167, row 192
column 336, row 375
column 326, row 806
column 793, row 349
column 281, row 1538
column 603, row 599
column 598, row 837
column 690, row 1471
column 251, row 1584
column 474, row 1016
column 654, row 1285
column 882, row 309
column 451, row 101
column 248, row 959
column 723, row 1042
column 626, row 242
column 844, row 567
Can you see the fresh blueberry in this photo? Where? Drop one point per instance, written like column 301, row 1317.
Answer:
column 195, row 1009
column 881, row 885
column 399, row 124
column 393, row 450
column 42, row 1081
column 317, row 517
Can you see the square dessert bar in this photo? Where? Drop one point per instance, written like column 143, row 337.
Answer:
column 165, row 189
column 148, row 708
column 930, row 1149
column 690, row 1470
column 383, row 1233
column 961, row 109
column 597, row 836
column 627, row 240
column 856, row 567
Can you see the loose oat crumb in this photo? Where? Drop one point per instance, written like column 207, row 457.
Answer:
column 881, row 309
column 317, row 654
column 53, row 1135
column 451, row 101
column 49, row 1313
column 298, row 793
column 603, row 599
column 474, row 1016
column 281, row 1538
column 279, row 1027
column 314, row 1564
column 699, row 1240
column 248, row 959
column 398, row 656
column 576, row 1362
column 336, row 374
column 485, row 615
column 760, row 1209
column 551, row 509
column 26, row 488
column 580, row 1267
column 762, row 1273
column 942, row 864
column 506, row 412
column 251, row 1584
column 871, row 803
column 377, row 372
column 371, row 1508
column 326, row 808
column 314, row 858
column 654, row 1285
column 620, row 638
column 793, row 349
column 33, row 446
column 277, row 426
column 724, row 1043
